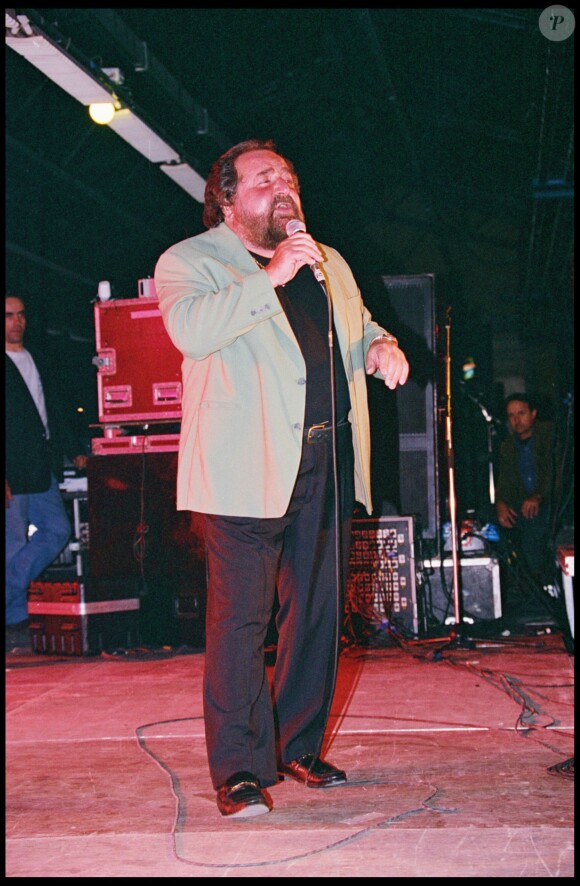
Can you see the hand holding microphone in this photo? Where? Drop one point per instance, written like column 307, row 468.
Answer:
column 295, row 226
column 297, row 250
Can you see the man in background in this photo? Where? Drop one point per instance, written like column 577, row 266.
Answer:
column 524, row 485
column 34, row 463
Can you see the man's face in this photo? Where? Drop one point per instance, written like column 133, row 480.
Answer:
column 15, row 321
column 266, row 198
column 521, row 418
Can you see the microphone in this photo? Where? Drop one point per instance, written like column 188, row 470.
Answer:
column 294, row 226
column 478, row 402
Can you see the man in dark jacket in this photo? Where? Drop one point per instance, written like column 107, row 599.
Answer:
column 34, row 461
column 524, row 485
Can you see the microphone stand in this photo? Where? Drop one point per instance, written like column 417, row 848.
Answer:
column 491, row 422
column 490, row 432
column 455, row 636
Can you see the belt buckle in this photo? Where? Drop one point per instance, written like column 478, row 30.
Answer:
column 320, row 427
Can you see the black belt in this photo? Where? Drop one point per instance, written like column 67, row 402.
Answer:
column 321, row 431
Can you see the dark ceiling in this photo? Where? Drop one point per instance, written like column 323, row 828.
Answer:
column 427, row 141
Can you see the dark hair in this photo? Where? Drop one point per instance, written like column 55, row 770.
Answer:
column 222, row 180
column 524, row 398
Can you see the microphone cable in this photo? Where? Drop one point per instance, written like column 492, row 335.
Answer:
column 293, row 227
column 320, row 277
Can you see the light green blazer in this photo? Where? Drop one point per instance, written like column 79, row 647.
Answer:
column 244, row 377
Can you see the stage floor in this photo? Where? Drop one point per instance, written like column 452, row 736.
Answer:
column 447, row 751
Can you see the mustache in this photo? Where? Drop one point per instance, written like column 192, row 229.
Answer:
column 277, row 200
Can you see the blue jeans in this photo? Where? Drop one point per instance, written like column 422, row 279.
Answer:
column 27, row 557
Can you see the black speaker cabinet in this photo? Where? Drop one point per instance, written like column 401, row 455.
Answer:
column 139, row 539
column 412, row 299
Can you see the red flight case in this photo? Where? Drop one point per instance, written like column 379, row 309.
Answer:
column 139, row 368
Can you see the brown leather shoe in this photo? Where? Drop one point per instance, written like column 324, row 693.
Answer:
column 313, row 772
column 241, row 797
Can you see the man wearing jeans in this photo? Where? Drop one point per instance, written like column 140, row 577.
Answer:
column 33, row 466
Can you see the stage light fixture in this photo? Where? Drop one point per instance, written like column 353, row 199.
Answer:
column 60, row 68
column 102, row 112
column 68, row 73
column 134, row 131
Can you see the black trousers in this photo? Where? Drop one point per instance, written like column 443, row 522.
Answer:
column 530, row 538
column 250, row 726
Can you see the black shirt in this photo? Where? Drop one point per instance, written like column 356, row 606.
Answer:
column 306, row 307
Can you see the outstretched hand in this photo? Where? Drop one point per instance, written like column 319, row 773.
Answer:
column 387, row 358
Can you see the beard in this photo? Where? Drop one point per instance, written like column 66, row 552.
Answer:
column 269, row 230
